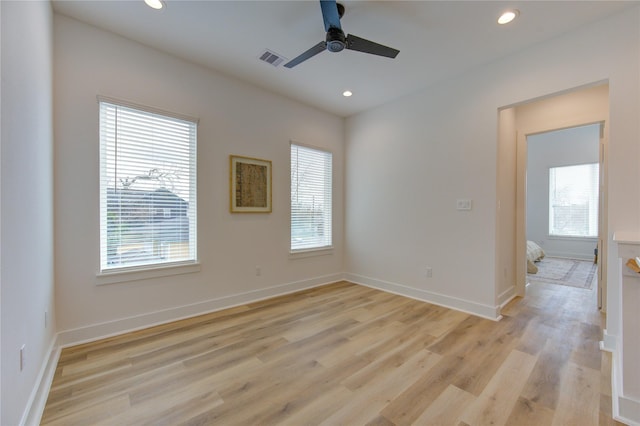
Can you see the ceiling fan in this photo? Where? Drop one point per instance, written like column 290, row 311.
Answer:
column 336, row 41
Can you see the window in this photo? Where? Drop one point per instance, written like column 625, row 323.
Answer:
column 311, row 171
column 147, row 188
column 573, row 201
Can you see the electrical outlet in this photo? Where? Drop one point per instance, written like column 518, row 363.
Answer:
column 429, row 272
column 258, row 271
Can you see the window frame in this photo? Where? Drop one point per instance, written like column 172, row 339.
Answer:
column 156, row 269
column 550, row 211
column 319, row 250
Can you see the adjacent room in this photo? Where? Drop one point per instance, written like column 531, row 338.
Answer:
column 317, row 212
column 563, row 183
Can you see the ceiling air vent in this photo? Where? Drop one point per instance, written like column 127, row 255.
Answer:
column 272, row 58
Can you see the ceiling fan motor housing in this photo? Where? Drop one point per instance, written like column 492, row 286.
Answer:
column 336, row 40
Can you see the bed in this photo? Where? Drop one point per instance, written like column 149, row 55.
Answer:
column 534, row 254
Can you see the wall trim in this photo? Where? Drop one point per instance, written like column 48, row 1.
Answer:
column 623, row 408
column 628, row 411
column 125, row 325
column 38, row 398
column 570, row 255
column 473, row 308
column 609, row 342
column 506, row 296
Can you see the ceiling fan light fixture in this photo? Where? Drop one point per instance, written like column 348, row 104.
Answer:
column 155, row 4
column 508, row 16
column 347, row 93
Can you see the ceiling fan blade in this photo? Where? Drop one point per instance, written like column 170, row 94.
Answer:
column 366, row 46
column 330, row 14
column 318, row 48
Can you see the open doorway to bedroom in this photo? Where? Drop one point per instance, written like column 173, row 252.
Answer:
column 562, row 206
column 579, row 108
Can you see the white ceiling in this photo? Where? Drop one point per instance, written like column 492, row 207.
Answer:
column 436, row 39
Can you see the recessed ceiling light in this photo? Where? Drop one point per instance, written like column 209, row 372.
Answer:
column 508, row 16
column 155, row 4
column 347, row 93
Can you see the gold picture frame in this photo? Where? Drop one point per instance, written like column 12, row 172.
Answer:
column 250, row 185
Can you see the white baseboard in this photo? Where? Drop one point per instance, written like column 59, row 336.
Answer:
column 506, row 296
column 38, row 398
column 111, row 328
column 484, row 311
column 623, row 408
column 608, row 342
column 628, row 411
column 569, row 255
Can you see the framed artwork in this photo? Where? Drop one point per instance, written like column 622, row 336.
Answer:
column 250, row 183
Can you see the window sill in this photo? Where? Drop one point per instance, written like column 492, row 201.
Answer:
column 136, row 274
column 572, row 238
column 301, row 254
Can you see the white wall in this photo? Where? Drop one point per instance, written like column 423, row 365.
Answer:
column 578, row 145
column 407, row 164
column 234, row 119
column 27, row 201
column 408, row 161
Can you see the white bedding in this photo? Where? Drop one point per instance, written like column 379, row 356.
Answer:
column 534, row 254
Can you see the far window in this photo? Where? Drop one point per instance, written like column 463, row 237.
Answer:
column 573, row 201
column 147, row 188
column 311, row 173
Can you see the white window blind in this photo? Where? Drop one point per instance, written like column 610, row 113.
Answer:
column 147, row 188
column 311, row 173
column 573, row 200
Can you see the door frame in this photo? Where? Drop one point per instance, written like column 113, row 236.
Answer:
column 521, row 206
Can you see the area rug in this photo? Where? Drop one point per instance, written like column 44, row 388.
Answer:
column 569, row 272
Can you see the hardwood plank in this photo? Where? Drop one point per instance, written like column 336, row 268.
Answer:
column 465, row 346
column 316, row 410
column 489, row 357
column 409, row 405
column 493, row 405
column 528, row 413
column 293, row 399
column 171, row 404
column 82, row 398
column 446, row 408
column 579, row 398
column 286, row 390
column 371, row 396
column 543, row 386
column 361, row 342
column 95, row 413
column 347, row 354
column 380, row 421
column 534, row 337
column 586, row 352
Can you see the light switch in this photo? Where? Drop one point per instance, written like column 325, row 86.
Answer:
column 463, row 204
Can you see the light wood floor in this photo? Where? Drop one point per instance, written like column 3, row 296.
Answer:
column 344, row 354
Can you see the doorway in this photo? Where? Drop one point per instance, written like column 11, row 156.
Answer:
column 562, row 205
column 588, row 105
